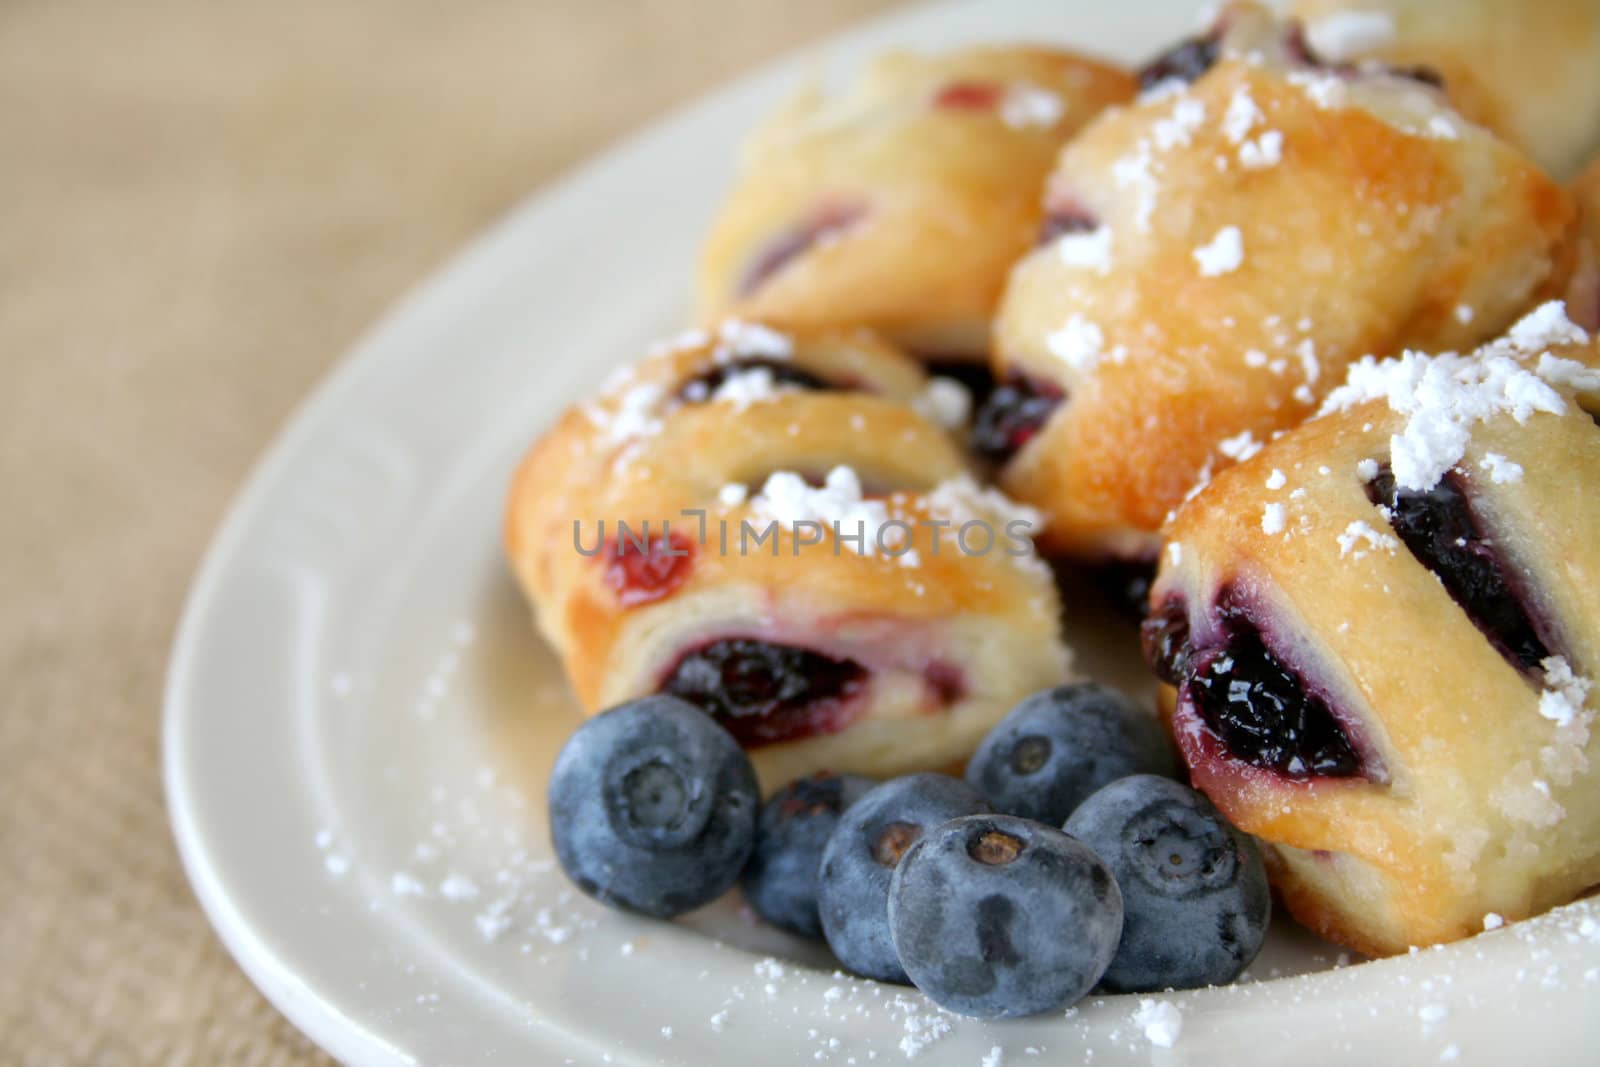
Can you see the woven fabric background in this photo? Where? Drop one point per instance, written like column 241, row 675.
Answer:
column 202, row 204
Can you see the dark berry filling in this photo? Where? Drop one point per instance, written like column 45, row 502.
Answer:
column 764, row 693
column 1164, row 636
column 968, row 96
column 1263, row 713
column 828, row 219
column 1068, row 218
column 1185, row 61
column 641, row 569
column 1439, row 527
column 1012, row 414
column 784, row 373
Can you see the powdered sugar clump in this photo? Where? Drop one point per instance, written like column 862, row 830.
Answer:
column 837, row 505
column 1272, row 519
column 1501, row 470
column 1444, row 396
column 1080, row 344
column 1239, row 447
column 1027, row 105
column 945, row 402
column 1223, row 255
column 1359, row 533
column 1564, row 692
column 1160, row 1020
column 1091, row 250
column 739, row 338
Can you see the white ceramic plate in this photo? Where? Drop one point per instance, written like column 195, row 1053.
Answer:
column 360, row 719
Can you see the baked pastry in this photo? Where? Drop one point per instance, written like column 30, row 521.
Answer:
column 1583, row 291
column 1530, row 71
column 1226, row 246
column 901, row 204
column 1382, row 631
column 804, row 555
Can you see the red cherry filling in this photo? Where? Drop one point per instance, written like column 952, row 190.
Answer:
column 969, row 96
column 827, row 219
column 784, row 373
column 640, row 569
column 764, row 693
column 1012, row 414
column 1441, row 530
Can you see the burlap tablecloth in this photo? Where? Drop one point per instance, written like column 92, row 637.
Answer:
column 201, row 205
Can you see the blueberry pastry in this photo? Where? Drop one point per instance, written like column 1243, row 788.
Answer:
column 1380, row 635
column 1218, row 252
column 901, row 204
column 1583, row 291
column 1529, row 71
column 776, row 529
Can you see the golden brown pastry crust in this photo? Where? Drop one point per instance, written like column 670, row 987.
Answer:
column 926, row 205
column 1583, row 291
column 1473, row 801
column 951, row 641
column 1257, row 231
column 1529, row 71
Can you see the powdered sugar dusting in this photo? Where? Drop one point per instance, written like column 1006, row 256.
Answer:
column 1564, row 692
column 1444, row 396
column 1080, row 344
column 1359, row 538
column 1222, row 255
column 1090, row 250
column 1026, row 105
column 1272, row 519
column 1160, row 1020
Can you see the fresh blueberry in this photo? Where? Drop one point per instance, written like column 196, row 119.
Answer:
column 860, row 857
column 653, row 807
column 997, row 916
column 781, row 880
column 1059, row 745
column 1194, row 891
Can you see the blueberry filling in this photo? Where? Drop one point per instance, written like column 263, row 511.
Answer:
column 828, row 219
column 1185, row 61
column 1164, row 636
column 764, row 693
column 1440, row 529
column 1012, row 414
column 1263, row 713
column 784, row 374
column 1064, row 220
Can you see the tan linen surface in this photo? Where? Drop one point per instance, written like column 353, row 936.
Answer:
column 201, row 205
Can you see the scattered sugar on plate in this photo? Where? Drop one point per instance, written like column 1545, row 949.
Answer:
column 1493, row 920
column 993, row 1058
column 1222, row 255
column 1160, row 1020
